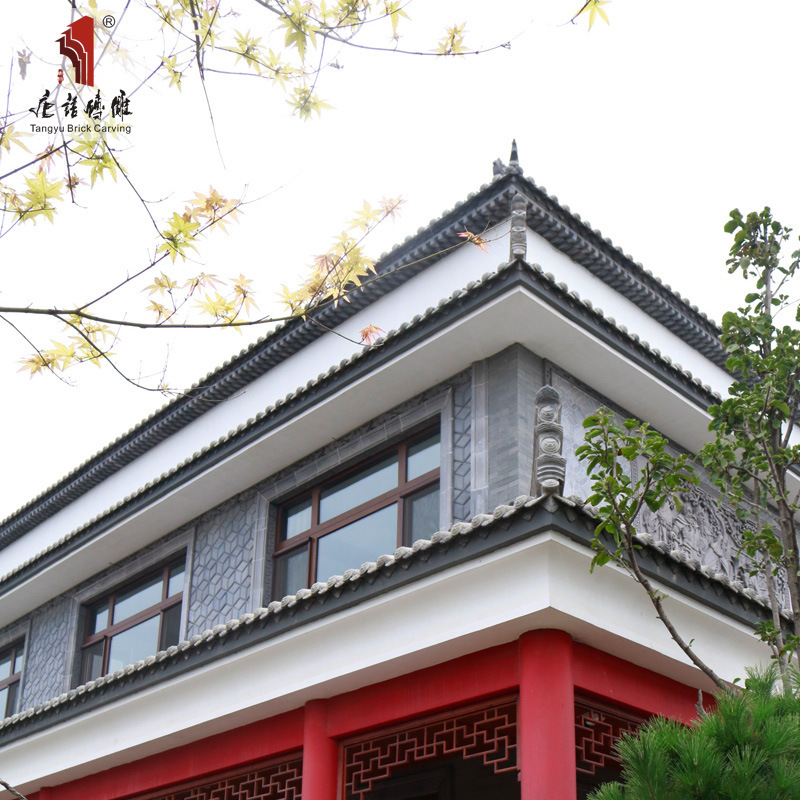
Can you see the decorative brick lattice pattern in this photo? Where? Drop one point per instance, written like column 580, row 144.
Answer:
column 46, row 669
column 462, row 451
column 275, row 782
column 223, row 564
column 488, row 733
column 596, row 734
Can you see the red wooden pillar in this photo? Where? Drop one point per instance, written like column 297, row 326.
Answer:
column 546, row 727
column 320, row 754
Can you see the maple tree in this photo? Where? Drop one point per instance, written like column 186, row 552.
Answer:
column 207, row 39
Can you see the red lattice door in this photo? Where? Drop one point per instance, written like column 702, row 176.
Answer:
column 597, row 730
column 487, row 734
column 276, row 781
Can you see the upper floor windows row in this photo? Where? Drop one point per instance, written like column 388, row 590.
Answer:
column 372, row 509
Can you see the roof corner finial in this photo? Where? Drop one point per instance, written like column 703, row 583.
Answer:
column 513, row 168
column 513, row 161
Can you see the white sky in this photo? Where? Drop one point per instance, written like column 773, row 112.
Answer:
column 651, row 128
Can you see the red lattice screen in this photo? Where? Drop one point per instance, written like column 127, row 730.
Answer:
column 274, row 782
column 597, row 730
column 487, row 733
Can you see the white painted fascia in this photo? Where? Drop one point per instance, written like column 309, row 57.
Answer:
column 517, row 316
column 625, row 312
column 543, row 582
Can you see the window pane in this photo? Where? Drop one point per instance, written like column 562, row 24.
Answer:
column 138, row 599
column 359, row 488
column 363, row 540
column 5, row 664
column 291, row 573
column 298, row 518
column 423, row 457
column 16, row 666
column 11, row 702
column 175, row 584
column 4, row 701
column 422, row 514
column 134, row 644
column 98, row 619
column 170, row 627
column 92, row 662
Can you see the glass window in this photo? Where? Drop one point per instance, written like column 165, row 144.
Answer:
column 11, row 659
column 136, row 600
column 423, row 456
column 364, row 540
column 364, row 485
column 298, row 518
column 291, row 572
column 377, row 507
column 134, row 622
column 422, row 515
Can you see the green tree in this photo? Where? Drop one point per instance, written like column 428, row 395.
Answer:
column 748, row 748
column 755, row 454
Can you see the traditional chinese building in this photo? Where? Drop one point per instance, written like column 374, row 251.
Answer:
column 346, row 573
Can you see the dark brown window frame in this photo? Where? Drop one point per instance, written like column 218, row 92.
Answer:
column 17, row 651
column 156, row 609
column 404, row 490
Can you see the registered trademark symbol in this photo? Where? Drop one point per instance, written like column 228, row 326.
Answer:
column 109, row 21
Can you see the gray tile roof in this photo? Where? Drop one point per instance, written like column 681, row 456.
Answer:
column 481, row 209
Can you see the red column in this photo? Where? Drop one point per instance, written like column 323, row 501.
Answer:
column 320, row 754
column 546, row 746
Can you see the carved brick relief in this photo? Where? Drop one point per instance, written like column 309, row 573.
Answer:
column 709, row 534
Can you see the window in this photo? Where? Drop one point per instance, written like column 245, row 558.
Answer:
column 10, row 672
column 135, row 622
column 372, row 509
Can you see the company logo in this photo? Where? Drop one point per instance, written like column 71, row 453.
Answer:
column 77, row 44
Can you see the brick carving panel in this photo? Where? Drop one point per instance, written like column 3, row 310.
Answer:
column 488, row 733
column 46, row 668
column 596, row 734
column 222, row 571
column 276, row 782
column 462, row 451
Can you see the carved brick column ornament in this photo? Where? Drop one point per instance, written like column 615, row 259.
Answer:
column 549, row 465
column 519, row 238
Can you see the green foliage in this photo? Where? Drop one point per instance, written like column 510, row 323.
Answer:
column 752, row 453
column 747, row 749
column 609, row 449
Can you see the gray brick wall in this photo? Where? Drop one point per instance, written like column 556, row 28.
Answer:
column 462, row 451
column 514, row 377
column 222, row 570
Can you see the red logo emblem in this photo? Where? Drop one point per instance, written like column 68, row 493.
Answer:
column 77, row 44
